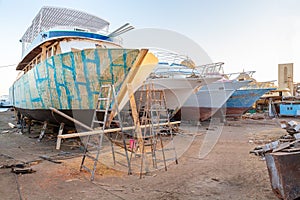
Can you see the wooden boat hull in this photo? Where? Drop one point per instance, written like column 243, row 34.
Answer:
column 70, row 81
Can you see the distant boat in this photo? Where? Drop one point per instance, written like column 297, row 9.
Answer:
column 210, row 98
column 179, row 82
column 5, row 102
column 67, row 55
column 244, row 98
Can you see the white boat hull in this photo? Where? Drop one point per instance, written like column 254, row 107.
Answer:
column 209, row 99
column 178, row 90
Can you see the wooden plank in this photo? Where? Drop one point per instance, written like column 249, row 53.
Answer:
column 282, row 146
column 135, row 116
column 60, row 132
column 141, row 69
column 99, row 131
column 291, row 150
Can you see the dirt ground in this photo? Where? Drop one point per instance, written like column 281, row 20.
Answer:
column 228, row 171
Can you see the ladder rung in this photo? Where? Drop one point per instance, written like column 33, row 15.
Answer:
column 119, row 153
column 103, row 98
column 100, row 110
column 167, row 149
column 86, row 168
column 121, row 164
column 91, row 157
column 106, row 85
column 93, row 145
column 99, row 122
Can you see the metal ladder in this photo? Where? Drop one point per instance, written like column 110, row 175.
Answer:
column 107, row 95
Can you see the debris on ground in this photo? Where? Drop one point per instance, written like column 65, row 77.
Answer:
column 11, row 125
column 289, row 142
column 283, row 160
column 26, row 170
column 254, row 116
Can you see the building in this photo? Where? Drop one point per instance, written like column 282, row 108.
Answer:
column 285, row 76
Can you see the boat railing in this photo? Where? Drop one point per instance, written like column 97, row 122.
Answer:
column 172, row 58
column 49, row 17
column 211, row 69
column 245, row 75
column 164, row 70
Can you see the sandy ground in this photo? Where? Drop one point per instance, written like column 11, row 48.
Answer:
column 228, row 171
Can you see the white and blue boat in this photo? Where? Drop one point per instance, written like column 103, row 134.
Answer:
column 66, row 56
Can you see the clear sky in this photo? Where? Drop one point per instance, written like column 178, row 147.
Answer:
column 245, row 34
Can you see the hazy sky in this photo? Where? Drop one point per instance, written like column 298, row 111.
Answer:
column 245, row 34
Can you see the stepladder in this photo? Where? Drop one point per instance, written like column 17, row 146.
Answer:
column 153, row 112
column 106, row 105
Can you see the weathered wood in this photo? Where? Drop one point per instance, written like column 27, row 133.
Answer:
column 60, row 132
column 43, row 131
column 135, row 117
column 282, row 146
column 95, row 132
column 144, row 65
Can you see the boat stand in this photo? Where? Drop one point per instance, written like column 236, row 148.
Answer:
column 138, row 137
column 43, row 131
column 60, row 132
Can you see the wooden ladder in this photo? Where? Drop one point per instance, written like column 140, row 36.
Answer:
column 152, row 109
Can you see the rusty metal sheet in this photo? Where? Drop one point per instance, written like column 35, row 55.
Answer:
column 284, row 173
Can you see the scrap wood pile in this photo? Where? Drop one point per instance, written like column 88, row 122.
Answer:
column 254, row 116
column 287, row 143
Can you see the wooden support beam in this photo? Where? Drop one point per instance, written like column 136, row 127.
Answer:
column 135, row 116
column 43, row 131
column 95, row 132
column 60, row 132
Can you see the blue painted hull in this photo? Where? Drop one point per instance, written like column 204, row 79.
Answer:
column 242, row 100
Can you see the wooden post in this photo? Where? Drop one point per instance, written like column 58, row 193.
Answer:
column 135, row 117
column 43, row 131
column 61, row 129
column 29, row 126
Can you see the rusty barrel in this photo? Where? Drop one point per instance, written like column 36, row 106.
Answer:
column 284, row 173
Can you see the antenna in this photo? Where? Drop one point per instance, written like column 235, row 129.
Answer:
column 123, row 29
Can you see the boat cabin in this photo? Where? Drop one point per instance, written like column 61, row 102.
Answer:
column 58, row 30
